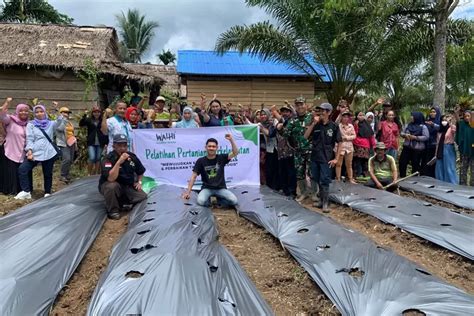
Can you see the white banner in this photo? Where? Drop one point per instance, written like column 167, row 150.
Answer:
column 169, row 154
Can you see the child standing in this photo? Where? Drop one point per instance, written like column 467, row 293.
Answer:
column 347, row 148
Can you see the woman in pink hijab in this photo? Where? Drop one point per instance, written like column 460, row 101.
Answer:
column 15, row 140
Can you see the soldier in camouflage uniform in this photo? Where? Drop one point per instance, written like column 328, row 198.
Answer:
column 294, row 132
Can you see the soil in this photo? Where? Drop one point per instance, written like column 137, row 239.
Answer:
column 434, row 201
column 283, row 283
column 286, row 287
column 446, row 265
column 75, row 296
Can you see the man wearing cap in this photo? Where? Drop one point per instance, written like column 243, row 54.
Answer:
column 160, row 115
column 66, row 141
column 382, row 168
column 121, row 179
column 324, row 134
column 294, row 132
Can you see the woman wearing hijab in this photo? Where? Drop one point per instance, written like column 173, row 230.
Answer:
column 188, row 119
column 268, row 131
column 15, row 140
column 432, row 122
column 465, row 141
column 445, row 153
column 364, row 140
column 370, row 118
column 415, row 134
column 39, row 149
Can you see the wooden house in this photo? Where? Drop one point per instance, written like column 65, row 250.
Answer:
column 47, row 62
column 243, row 79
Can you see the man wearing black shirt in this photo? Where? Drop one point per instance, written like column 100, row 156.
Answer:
column 211, row 170
column 121, row 178
column 325, row 134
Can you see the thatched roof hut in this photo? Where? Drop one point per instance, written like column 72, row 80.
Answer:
column 43, row 61
column 65, row 47
column 168, row 73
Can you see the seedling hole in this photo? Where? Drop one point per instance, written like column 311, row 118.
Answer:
column 427, row 204
column 391, row 206
column 446, row 225
column 416, row 215
column 257, row 199
column 187, row 203
column 134, row 274
column 148, row 220
column 322, row 247
column 303, row 230
column 245, row 192
column 143, row 232
column 138, row 250
column 413, row 312
column 281, row 214
column 450, row 191
column 431, row 187
column 423, row 271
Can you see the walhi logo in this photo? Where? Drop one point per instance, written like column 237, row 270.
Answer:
column 168, row 136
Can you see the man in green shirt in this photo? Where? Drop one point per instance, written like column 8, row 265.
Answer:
column 294, row 132
column 382, row 168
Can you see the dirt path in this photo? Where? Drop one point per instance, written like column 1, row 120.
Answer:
column 280, row 279
column 75, row 296
column 447, row 265
column 434, row 201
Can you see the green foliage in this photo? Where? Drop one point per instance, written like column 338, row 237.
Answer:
column 136, row 34
column 31, row 11
column 166, row 57
column 354, row 44
column 90, row 74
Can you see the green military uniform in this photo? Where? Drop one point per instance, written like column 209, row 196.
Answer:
column 294, row 132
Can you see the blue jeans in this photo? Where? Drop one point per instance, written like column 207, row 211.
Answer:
column 223, row 196
column 321, row 173
column 446, row 167
column 392, row 152
column 94, row 153
column 28, row 165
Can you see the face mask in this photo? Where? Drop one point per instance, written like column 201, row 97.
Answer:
column 444, row 123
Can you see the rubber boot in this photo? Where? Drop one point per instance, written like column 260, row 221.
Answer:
column 303, row 187
column 314, row 192
column 325, row 200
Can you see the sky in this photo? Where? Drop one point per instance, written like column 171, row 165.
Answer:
column 184, row 24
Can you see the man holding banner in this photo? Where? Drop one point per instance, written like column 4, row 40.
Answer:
column 211, row 170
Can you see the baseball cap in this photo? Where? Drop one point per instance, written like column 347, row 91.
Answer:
column 64, row 110
column 325, row 106
column 300, row 100
column 120, row 139
column 380, row 145
column 285, row 108
column 160, row 98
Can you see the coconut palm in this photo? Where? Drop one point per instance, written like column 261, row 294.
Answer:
column 31, row 11
column 166, row 57
column 136, row 34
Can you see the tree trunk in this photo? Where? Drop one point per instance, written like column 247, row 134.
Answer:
column 439, row 80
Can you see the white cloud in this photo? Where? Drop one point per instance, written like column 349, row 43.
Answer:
column 464, row 10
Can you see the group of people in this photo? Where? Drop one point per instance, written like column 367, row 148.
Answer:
column 27, row 142
column 302, row 149
column 326, row 143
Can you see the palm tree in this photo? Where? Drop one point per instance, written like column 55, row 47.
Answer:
column 136, row 34
column 354, row 47
column 166, row 57
column 31, row 11
column 303, row 38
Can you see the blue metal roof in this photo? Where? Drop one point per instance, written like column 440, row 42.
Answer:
column 197, row 62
